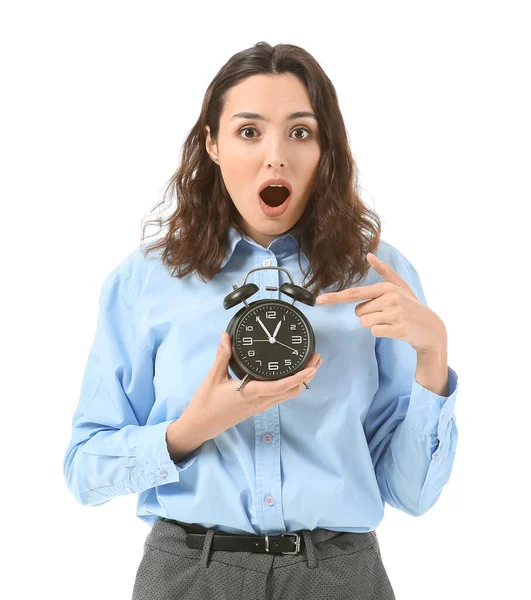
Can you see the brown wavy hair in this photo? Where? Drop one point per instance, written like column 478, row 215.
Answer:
column 336, row 229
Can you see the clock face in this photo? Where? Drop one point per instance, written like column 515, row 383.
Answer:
column 258, row 353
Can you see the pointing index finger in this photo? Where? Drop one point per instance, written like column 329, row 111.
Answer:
column 335, row 297
column 354, row 294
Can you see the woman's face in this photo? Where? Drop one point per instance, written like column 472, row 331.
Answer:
column 250, row 151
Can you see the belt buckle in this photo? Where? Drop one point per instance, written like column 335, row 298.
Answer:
column 297, row 543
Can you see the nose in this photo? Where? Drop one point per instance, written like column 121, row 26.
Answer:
column 275, row 154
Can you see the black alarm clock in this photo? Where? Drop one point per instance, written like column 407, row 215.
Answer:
column 271, row 339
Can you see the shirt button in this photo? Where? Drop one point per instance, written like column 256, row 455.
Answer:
column 435, row 457
column 129, row 489
column 268, row 438
column 161, row 473
column 280, row 242
column 269, row 500
column 266, row 263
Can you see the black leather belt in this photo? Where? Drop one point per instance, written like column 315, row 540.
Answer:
column 285, row 543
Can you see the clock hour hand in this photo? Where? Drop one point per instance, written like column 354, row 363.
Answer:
column 264, row 327
column 273, row 337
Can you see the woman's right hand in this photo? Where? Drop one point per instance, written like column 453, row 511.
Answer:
column 217, row 405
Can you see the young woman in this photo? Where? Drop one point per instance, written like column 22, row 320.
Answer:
column 266, row 487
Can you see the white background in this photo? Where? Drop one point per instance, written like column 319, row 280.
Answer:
column 97, row 100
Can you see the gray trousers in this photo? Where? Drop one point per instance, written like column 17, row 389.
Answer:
column 346, row 566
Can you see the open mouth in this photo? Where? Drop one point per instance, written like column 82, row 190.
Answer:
column 274, row 196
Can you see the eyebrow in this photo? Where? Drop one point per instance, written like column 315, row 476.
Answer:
column 296, row 115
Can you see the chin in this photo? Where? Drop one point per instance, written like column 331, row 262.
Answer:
column 274, row 228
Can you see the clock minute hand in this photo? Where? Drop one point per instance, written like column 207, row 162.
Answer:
column 264, row 327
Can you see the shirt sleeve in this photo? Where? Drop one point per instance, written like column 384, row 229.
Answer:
column 411, row 431
column 112, row 451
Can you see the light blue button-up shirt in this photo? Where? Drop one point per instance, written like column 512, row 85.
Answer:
column 365, row 433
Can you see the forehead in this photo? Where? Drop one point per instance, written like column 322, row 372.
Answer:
column 273, row 96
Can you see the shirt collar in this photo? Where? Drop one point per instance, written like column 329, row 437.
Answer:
column 234, row 238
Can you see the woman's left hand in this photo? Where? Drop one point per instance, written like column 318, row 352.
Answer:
column 393, row 310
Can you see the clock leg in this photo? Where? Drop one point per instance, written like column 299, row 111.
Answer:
column 247, row 377
column 242, row 383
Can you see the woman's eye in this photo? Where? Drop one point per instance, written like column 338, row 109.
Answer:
column 250, row 128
